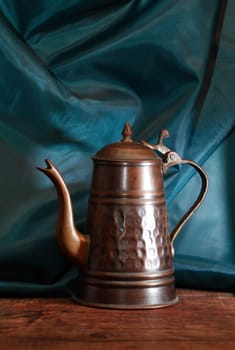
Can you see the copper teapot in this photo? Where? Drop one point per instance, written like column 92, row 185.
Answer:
column 126, row 257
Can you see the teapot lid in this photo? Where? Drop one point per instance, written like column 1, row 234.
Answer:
column 126, row 149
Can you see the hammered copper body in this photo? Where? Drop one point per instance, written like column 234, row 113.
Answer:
column 129, row 250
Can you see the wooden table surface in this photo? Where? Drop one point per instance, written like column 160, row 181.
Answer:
column 202, row 320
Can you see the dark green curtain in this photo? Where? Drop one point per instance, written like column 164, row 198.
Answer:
column 71, row 73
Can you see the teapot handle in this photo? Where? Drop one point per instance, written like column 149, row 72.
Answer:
column 171, row 158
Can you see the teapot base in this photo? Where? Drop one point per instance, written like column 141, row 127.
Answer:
column 144, row 293
column 124, row 307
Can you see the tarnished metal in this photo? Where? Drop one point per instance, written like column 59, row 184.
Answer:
column 126, row 258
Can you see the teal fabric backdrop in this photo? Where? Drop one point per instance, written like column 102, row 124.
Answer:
column 71, row 73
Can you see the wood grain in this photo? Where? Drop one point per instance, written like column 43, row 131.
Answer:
column 202, row 320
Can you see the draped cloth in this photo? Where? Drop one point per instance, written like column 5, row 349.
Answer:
column 71, row 74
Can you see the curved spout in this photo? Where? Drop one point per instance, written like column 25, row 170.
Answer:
column 74, row 244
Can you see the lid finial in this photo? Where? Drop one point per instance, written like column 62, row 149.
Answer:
column 127, row 133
